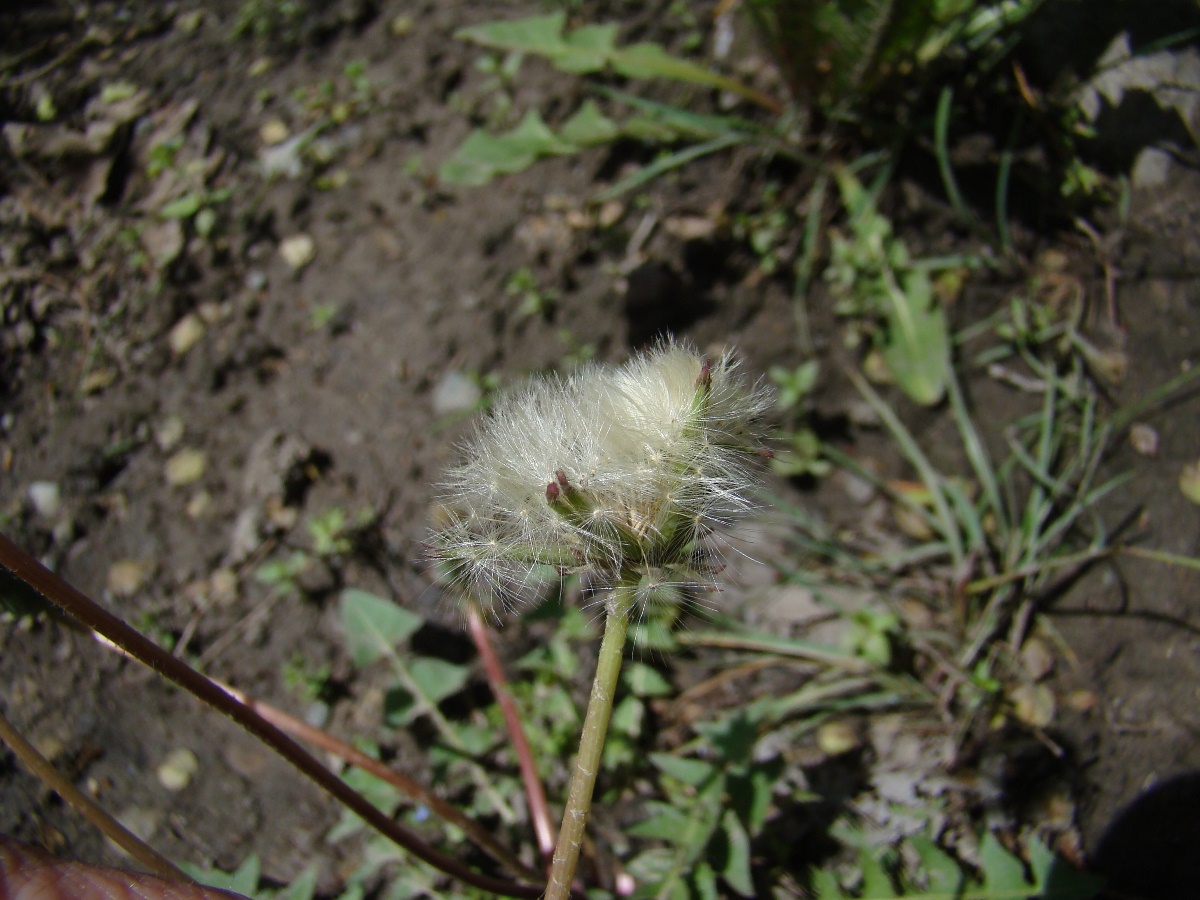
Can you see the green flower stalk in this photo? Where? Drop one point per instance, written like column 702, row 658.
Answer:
column 622, row 475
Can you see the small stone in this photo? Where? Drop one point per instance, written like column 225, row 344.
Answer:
column 610, row 213
column 141, row 821
column 297, row 251
column 455, row 393
column 97, row 380
column 186, row 333
column 198, row 505
column 1189, row 482
column 223, row 586
column 1143, row 439
column 1082, row 701
column 169, row 433
column 1037, row 658
column 837, row 738
column 690, row 228
column 127, row 576
column 1033, row 704
column 176, row 771
column 164, row 241
column 401, row 25
column 274, row 131
column 185, row 467
column 46, row 498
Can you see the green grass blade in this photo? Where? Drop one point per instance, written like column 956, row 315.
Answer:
column 946, row 524
column 667, row 163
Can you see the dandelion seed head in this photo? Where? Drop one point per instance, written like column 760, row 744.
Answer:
column 605, row 472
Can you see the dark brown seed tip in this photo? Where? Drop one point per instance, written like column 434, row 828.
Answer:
column 561, row 476
column 705, row 378
column 552, row 493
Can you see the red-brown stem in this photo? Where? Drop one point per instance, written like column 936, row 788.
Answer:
column 87, row 807
column 535, row 794
column 414, row 790
column 104, row 623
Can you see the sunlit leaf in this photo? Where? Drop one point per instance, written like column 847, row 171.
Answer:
column 437, row 679
column 373, row 626
column 736, row 871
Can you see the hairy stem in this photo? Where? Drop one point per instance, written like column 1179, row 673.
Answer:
column 591, row 743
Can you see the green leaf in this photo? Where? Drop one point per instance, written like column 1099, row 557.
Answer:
column 917, row 343
column 704, row 880
column 877, row 884
column 183, row 207
column 826, row 887
column 242, row 881
column 537, row 35
column 648, row 60
column 303, row 886
column 1057, row 880
column 690, row 771
column 666, row 820
column 437, row 679
column 736, row 870
column 942, row 874
column 591, row 47
column 482, row 156
column 588, row 127
column 645, row 681
column 373, row 626
column 1003, row 873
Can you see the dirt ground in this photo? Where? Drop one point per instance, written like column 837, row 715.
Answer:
column 127, row 339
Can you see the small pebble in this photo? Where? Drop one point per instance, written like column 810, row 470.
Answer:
column 46, row 498
column 1144, row 439
column 127, row 576
column 455, row 393
column 176, row 771
column 169, row 433
column 274, row 131
column 836, row 738
column 186, row 333
column 185, row 467
column 297, row 251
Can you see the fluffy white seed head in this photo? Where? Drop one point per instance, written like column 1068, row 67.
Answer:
column 609, row 472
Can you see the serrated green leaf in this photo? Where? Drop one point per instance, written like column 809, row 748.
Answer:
column 736, row 870
column 437, row 679
column 591, row 47
column 1003, row 873
column 482, row 156
column 588, row 126
column 373, row 626
column 690, row 771
column 917, row 342
column 539, row 35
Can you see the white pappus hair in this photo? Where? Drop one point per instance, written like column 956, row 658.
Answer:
column 615, row 473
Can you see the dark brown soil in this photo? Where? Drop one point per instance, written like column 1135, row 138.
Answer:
column 315, row 389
